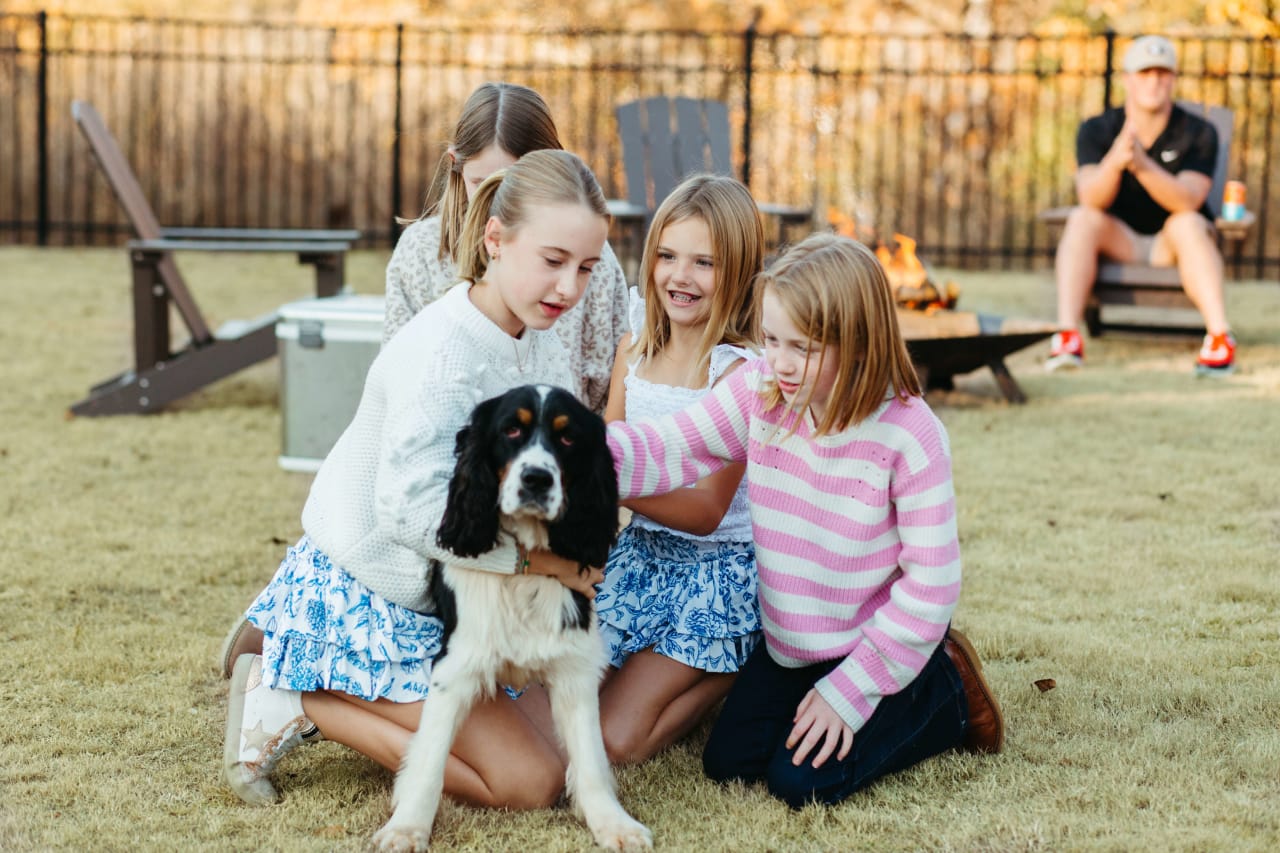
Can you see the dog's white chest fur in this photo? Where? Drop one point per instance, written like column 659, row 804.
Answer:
column 516, row 626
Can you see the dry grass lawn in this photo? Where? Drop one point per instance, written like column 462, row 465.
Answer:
column 1120, row 532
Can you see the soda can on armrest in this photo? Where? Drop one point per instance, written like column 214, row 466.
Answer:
column 1233, row 201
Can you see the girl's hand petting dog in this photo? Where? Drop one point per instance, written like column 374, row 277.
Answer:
column 817, row 721
column 569, row 573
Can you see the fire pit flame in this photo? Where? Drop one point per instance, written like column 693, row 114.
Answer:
column 912, row 284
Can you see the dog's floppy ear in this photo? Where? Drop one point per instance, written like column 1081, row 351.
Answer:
column 470, row 523
column 589, row 525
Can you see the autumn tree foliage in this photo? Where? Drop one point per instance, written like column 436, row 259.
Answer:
column 970, row 17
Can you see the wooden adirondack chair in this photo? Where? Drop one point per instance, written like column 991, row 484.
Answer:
column 664, row 139
column 1158, row 290
column 161, row 375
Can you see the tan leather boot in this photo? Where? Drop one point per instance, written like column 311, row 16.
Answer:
column 986, row 723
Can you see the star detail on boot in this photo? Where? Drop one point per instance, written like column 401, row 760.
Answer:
column 257, row 738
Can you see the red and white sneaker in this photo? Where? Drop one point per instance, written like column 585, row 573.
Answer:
column 1217, row 355
column 1066, row 351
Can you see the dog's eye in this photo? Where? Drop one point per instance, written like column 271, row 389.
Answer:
column 566, row 440
column 513, row 432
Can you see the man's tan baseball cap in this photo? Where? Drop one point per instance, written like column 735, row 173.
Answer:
column 1150, row 52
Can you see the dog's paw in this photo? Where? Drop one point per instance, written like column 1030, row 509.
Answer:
column 623, row 833
column 402, row 839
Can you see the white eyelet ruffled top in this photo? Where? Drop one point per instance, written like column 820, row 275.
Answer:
column 647, row 399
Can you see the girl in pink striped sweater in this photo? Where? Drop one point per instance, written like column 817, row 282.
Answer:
column 853, row 517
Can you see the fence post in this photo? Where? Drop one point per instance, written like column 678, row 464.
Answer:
column 42, row 133
column 1108, row 67
column 748, row 61
column 395, row 132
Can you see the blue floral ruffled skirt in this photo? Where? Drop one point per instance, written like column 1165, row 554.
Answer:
column 324, row 630
column 692, row 601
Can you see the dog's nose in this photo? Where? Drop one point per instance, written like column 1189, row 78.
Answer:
column 536, row 480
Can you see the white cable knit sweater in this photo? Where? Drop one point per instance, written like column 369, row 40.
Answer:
column 378, row 498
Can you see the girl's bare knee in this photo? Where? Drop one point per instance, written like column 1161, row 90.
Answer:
column 619, row 753
column 528, row 784
column 622, row 744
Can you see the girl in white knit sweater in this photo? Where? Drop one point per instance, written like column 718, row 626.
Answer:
column 499, row 123
column 349, row 634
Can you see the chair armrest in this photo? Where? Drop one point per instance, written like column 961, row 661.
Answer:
column 302, row 247
column 1235, row 229
column 787, row 213
column 327, row 256
column 293, row 234
column 624, row 211
column 1054, row 216
column 1230, row 229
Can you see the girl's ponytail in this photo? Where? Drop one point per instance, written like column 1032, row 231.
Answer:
column 452, row 204
column 471, row 257
column 443, row 198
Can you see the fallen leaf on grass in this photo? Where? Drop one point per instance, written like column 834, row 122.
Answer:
column 1045, row 684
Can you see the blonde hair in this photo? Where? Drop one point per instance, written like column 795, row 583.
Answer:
column 513, row 117
column 835, row 291
column 737, row 246
column 537, row 178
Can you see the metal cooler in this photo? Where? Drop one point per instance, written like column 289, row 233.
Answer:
column 326, row 347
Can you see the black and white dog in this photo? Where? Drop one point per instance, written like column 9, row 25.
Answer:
column 532, row 463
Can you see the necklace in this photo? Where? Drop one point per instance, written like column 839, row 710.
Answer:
column 521, row 358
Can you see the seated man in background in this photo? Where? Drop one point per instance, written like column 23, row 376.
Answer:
column 1145, row 170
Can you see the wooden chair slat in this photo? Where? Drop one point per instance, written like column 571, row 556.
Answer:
column 666, row 139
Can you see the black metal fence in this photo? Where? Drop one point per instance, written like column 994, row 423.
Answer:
column 958, row 141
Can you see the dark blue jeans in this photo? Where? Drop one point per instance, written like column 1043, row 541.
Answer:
column 749, row 740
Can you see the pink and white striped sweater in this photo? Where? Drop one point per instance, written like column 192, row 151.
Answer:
column 855, row 532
